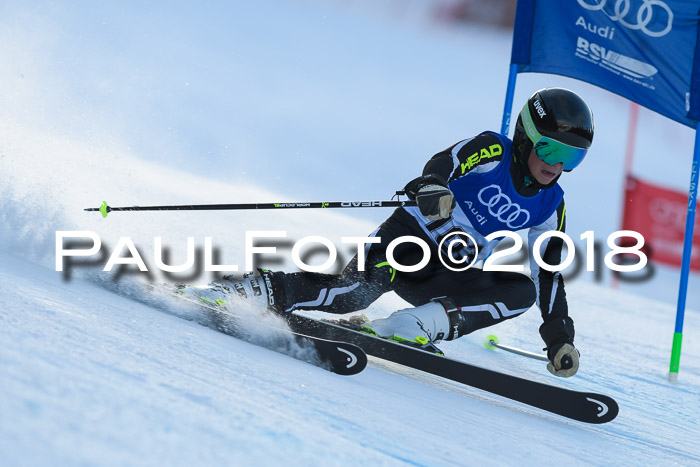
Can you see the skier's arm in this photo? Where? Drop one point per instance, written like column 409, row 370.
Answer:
column 478, row 154
column 557, row 329
column 431, row 190
column 551, row 297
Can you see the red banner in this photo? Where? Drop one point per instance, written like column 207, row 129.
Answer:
column 659, row 215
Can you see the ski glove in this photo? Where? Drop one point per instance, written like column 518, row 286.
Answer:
column 435, row 202
column 563, row 360
column 558, row 333
column 430, row 192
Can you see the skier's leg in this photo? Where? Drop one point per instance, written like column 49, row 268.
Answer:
column 352, row 290
column 285, row 292
column 349, row 291
column 495, row 297
column 451, row 304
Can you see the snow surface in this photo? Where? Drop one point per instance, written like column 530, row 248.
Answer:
column 280, row 100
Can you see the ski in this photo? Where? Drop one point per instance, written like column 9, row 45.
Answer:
column 582, row 406
column 339, row 357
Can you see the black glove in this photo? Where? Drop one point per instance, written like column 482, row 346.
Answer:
column 558, row 334
column 434, row 199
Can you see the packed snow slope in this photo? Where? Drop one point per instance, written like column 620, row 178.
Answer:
column 285, row 101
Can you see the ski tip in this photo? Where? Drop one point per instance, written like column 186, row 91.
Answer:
column 490, row 342
column 603, row 408
column 351, row 359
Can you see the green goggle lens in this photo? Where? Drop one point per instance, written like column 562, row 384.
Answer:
column 551, row 151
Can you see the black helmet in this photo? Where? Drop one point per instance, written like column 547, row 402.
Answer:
column 549, row 117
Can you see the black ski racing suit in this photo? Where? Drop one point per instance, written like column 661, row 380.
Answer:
column 484, row 297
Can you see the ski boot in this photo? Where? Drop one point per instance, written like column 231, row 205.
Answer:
column 253, row 290
column 420, row 327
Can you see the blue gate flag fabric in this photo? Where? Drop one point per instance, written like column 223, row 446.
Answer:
column 643, row 50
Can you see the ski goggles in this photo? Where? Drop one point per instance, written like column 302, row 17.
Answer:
column 549, row 150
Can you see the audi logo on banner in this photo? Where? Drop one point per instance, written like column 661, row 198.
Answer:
column 646, row 13
column 503, row 208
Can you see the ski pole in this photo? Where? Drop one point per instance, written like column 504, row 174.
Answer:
column 106, row 209
column 491, row 342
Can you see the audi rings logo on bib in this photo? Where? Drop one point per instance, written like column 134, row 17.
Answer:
column 502, row 207
column 652, row 17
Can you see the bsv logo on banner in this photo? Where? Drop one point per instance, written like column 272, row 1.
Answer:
column 503, row 208
column 650, row 11
column 596, row 53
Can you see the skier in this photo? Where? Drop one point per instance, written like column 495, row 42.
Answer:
column 478, row 186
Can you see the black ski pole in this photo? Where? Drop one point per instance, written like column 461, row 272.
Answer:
column 106, row 209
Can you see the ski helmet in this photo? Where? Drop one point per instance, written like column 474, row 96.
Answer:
column 558, row 124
